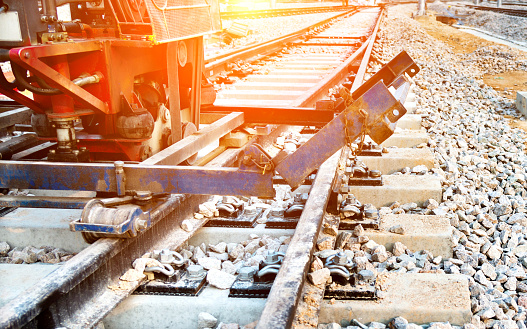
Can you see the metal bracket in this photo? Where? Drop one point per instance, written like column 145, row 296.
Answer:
column 346, row 284
column 358, row 174
column 383, row 111
column 390, row 73
column 183, row 283
column 370, row 149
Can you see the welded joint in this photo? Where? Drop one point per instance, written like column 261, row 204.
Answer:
column 120, row 178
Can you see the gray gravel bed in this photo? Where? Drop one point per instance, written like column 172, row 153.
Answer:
column 263, row 29
column 482, row 163
column 512, row 27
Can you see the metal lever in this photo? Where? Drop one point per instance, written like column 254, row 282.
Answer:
column 382, row 109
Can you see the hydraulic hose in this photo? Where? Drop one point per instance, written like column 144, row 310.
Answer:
column 21, row 79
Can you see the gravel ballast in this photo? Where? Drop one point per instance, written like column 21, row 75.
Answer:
column 481, row 161
column 511, row 27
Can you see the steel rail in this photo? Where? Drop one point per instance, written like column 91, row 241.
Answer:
column 217, row 64
column 506, row 3
column 286, row 292
column 501, row 10
column 359, row 77
column 280, row 308
column 308, row 309
column 343, row 70
column 78, row 294
column 279, row 12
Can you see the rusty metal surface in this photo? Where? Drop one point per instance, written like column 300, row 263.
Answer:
column 309, row 307
column 156, row 179
column 311, row 298
column 378, row 102
column 280, row 308
column 277, row 115
column 389, row 73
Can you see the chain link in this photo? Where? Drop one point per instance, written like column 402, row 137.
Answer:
column 364, row 128
column 265, row 166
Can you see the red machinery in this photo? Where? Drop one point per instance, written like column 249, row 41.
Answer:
column 121, row 81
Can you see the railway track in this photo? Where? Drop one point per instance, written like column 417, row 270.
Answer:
column 82, row 291
column 280, row 12
column 504, row 3
column 501, row 10
column 220, row 63
column 297, row 76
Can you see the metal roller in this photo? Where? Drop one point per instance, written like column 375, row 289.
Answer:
column 97, row 221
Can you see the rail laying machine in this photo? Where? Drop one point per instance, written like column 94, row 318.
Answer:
column 122, row 80
column 110, row 68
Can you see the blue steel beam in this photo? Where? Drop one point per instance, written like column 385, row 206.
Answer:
column 157, row 179
column 43, row 202
column 57, row 202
